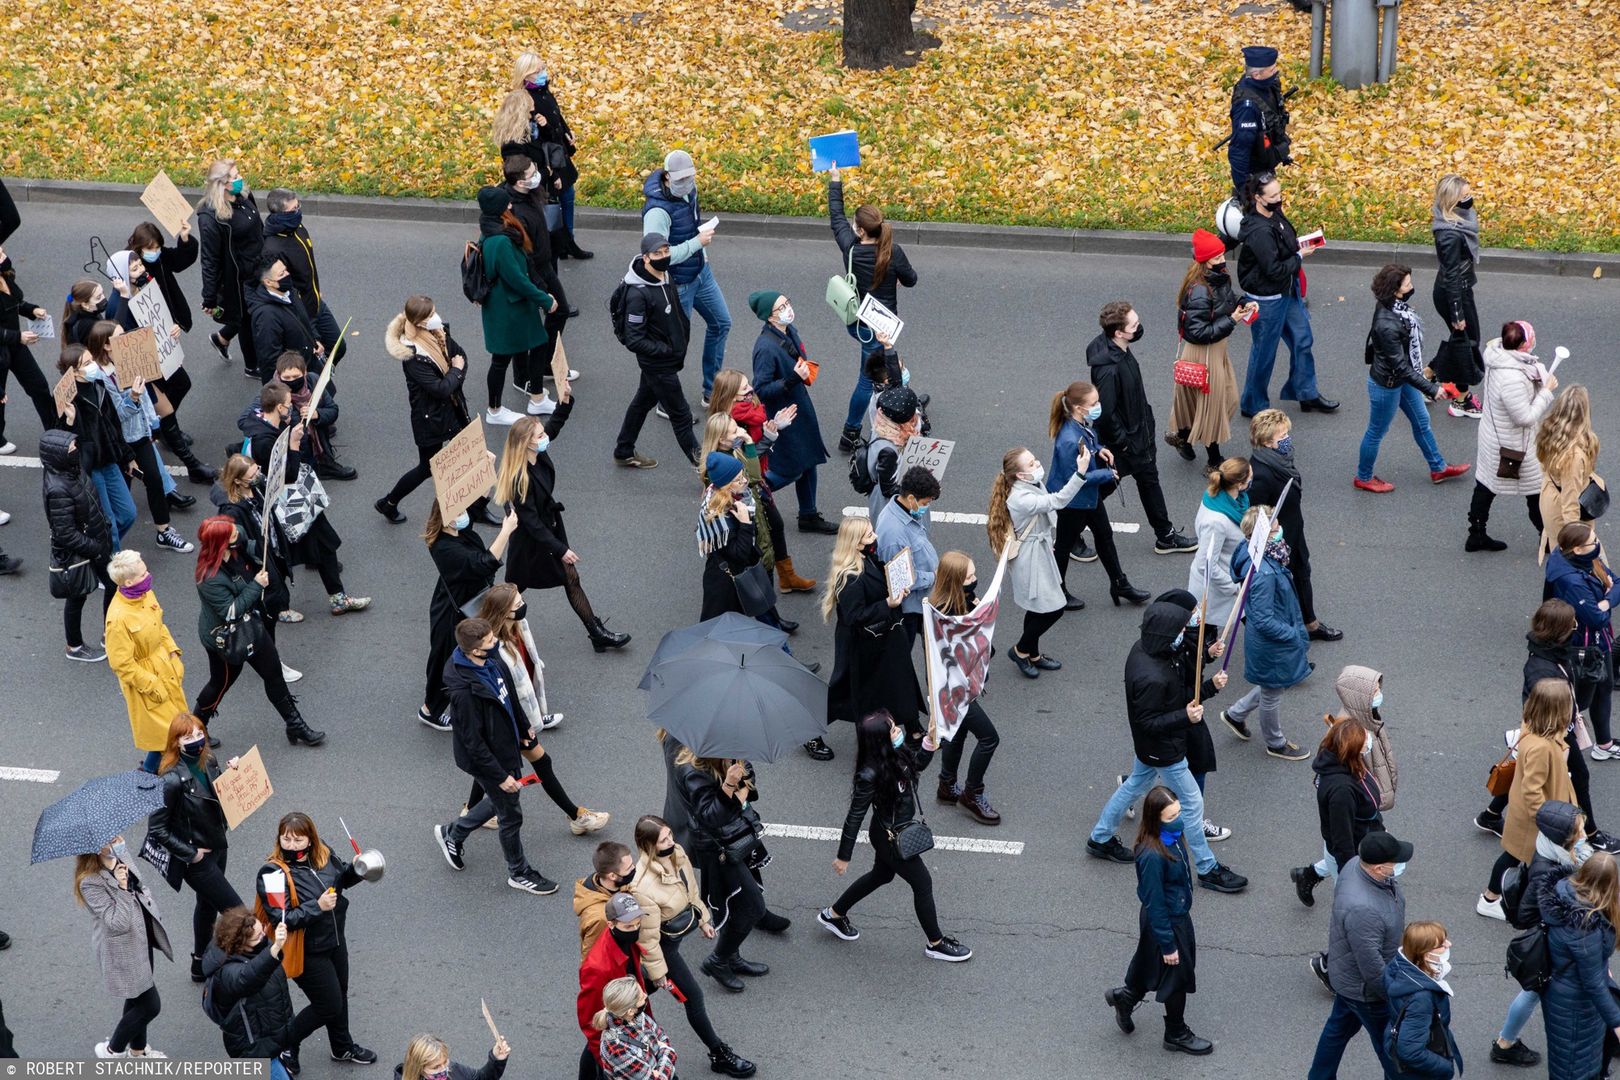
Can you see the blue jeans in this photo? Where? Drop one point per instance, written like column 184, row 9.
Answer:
column 703, row 293
column 567, row 201
column 278, row 1071
column 862, row 395
column 116, row 503
column 151, row 761
column 804, row 484
column 1381, row 404
column 1177, row 778
column 1281, row 320
column 1327, row 866
column 1346, row 1018
column 1519, row 1014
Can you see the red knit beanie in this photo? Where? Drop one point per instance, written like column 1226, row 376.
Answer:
column 1206, row 245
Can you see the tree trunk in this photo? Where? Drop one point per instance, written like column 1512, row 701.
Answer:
column 878, row 34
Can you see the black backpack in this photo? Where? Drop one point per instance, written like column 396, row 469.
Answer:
column 1529, row 959
column 475, row 283
column 618, row 303
column 860, row 473
column 210, row 1001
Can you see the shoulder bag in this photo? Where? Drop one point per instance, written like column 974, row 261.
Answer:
column 911, row 838
column 1594, row 498
column 1500, row 779
column 842, row 294
column 684, row 921
column 1529, row 959
column 740, row 841
column 753, row 587
column 235, row 638
column 1016, row 544
column 74, row 580
column 1190, row 373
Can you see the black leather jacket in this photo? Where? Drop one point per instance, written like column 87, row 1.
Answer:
column 190, row 818
column 1391, row 360
column 715, row 818
column 885, row 815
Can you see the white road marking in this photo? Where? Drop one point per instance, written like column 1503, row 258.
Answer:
column 944, row 843
column 38, row 776
column 952, row 518
column 17, row 461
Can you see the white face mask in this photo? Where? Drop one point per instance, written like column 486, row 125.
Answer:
column 1037, row 473
column 785, row 316
column 530, row 182
column 1442, row 963
column 433, row 322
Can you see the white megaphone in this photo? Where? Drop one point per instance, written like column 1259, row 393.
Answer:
column 1229, row 220
column 1560, row 354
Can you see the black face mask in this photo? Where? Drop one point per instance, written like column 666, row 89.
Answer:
column 870, row 549
column 192, row 748
column 659, row 264
column 291, row 856
column 626, row 879
column 971, row 594
column 1138, row 335
column 522, row 612
column 1217, row 271
column 1405, row 296
column 1273, row 207
column 625, row 939
column 666, row 852
column 1466, row 204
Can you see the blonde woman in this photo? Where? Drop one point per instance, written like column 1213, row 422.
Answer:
column 127, row 932
column 540, row 556
column 633, row 1046
column 1582, row 913
column 1456, row 246
column 144, row 655
column 428, row 1058
column 723, row 435
column 555, row 141
column 1567, row 449
column 726, row 534
column 872, row 665
column 1540, row 775
column 1024, row 513
column 1220, row 532
column 733, row 395
column 1518, row 395
column 232, row 235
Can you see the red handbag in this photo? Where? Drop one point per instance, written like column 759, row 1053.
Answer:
column 1191, row 373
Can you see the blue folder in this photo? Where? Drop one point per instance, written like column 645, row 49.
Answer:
column 841, row 149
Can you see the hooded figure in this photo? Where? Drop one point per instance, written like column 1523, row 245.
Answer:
column 1419, row 1035
column 1582, row 1002
column 1556, row 849
column 1156, row 691
column 1200, row 747
column 1358, row 687
column 78, row 527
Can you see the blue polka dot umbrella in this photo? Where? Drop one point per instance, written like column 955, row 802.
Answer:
column 92, row 816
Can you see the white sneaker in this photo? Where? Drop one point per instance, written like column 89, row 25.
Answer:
column 4, row 517
column 573, row 376
column 550, row 720
column 150, row 1053
column 544, row 407
column 103, row 1052
column 289, row 674
column 1215, row 833
column 8, row 448
column 589, row 821
column 1605, row 753
column 1491, row 909
column 659, row 410
column 502, row 415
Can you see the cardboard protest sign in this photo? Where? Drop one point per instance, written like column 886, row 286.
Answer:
column 957, row 648
column 152, row 311
column 931, row 454
column 462, row 471
column 559, row 363
column 166, row 203
column 135, row 356
column 66, row 389
column 243, row 789
column 899, row 574
column 275, row 482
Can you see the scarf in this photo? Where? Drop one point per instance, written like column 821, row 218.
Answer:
column 1278, row 550
column 1467, row 223
column 136, row 589
column 1224, row 503
column 1552, row 852
column 884, row 428
column 300, row 399
column 1414, row 333
column 712, row 533
column 431, row 343
column 1283, row 463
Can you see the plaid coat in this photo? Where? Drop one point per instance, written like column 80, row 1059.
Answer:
column 127, row 926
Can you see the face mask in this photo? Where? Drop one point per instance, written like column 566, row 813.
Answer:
column 529, row 183
column 121, row 852
column 1138, row 335
column 897, row 739
column 1405, row 296
column 1192, row 623
column 289, row 855
column 1276, row 537
column 682, row 188
column 1037, row 474
column 138, row 588
column 238, row 185
column 624, row 882
column 1169, row 836
column 442, row 1074
column 1442, row 963
column 1377, row 699
column 1400, row 868
column 433, row 322
column 463, row 520
column 1273, row 206
column 522, row 612
column 919, row 513
column 150, row 256
column 192, row 747
column 666, row 852
column 1466, row 204
column 1217, row 269
column 1176, row 644
column 288, row 219
column 541, row 443
column 92, row 370
column 1093, row 413
column 870, row 549
column 905, row 376
column 785, row 316
column 537, row 80
column 738, row 443
column 282, row 284
column 625, row 939
column 1285, row 445
column 659, row 264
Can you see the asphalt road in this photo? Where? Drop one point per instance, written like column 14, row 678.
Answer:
column 991, row 336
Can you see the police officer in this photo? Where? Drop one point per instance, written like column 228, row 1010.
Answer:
column 1259, row 141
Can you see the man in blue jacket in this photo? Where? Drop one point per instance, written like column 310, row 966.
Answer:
column 671, row 211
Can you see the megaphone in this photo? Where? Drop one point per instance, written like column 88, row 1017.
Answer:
column 369, row 864
column 1229, row 220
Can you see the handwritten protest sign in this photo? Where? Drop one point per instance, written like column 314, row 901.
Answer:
column 135, row 356
column 957, row 648
column 166, row 203
column 243, row 789
column 151, row 310
column 275, row 482
column 559, row 363
column 899, row 573
column 462, row 471
column 66, row 389
column 931, row 454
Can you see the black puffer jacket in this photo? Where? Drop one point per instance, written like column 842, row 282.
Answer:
column 1156, row 697
column 190, row 818
column 889, row 810
column 1206, row 312
column 231, row 250
column 78, row 527
column 1390, row 342
column 250, row 989
column 1269, row 263
column 280, row 327
column 1346, row 806
column 323, row 930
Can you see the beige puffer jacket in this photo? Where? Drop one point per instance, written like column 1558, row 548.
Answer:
column 1356, row 686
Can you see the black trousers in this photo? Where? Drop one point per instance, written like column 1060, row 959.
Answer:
column 413, row 477
column 1479, row 507
column 657, row 388
column 976, row 723
column 1036, row 623
column 73, row 606
column 325, row 982
column 1299, row 565
column 680, row 973
column 207, row 879
column 1580, row 777
column 265, row 661
column 885, row 869
column 1597, row 698
column 1464, row 310
column 1071, row 523
column 17, row 360
column 524, row 374
column 146, row 459
column 734, row 890
column 589, row 1068
column 1146, row 476
column 139, row 1011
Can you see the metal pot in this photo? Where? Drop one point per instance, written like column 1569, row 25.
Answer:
column 369, row 864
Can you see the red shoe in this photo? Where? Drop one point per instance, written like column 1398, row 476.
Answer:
column 1375, row 485
column 1448, row 472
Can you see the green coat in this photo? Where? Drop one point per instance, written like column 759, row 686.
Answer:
column 514, row 313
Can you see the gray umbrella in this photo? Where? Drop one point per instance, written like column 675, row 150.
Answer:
column 732, row 627
column 723, row 699
column 90, row 817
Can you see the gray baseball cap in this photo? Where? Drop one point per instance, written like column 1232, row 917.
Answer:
column 622, row 907
column 678, row 165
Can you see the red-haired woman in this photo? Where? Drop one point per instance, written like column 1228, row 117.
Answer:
column 230, row 591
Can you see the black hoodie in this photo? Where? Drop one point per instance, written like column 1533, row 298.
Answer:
column 1156, row 697
column 1546, row 660
column 1346, row 805
column 78, row 527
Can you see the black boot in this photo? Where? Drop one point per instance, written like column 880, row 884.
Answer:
column 722, row 1059
column 1122, row 589
column 197, row 975
column 577, row 252
column 300, row 732
column 1122, row 1001
column 603, row 639
column 846, row 441
column 720, row 971
column 1214, row 458
column 1305, row 879
column 1479, row 540
column 175, row 439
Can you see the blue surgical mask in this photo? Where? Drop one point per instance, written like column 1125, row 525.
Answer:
column 1377, row 699
column 1176, row 644
column 92, row 370
column 121, row 852
column 1276, row 537
column 1192, row 623
column 905, row 376
column 462, row 521
column 919, row 513
column 1400, row 868
column 897, row 739
column 1285, row 445
column 150, row 256
column 543, row 442
column 1094, row 412
column 1169, row 837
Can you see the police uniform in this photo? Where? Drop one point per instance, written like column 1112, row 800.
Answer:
column 1259, row 139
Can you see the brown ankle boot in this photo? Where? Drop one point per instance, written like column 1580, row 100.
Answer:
column 973, row 801
column 788, row 581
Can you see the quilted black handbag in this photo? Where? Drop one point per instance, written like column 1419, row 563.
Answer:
column 73, row 580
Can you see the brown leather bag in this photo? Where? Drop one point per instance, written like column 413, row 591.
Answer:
column 292, row 950
column 1500, row 778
